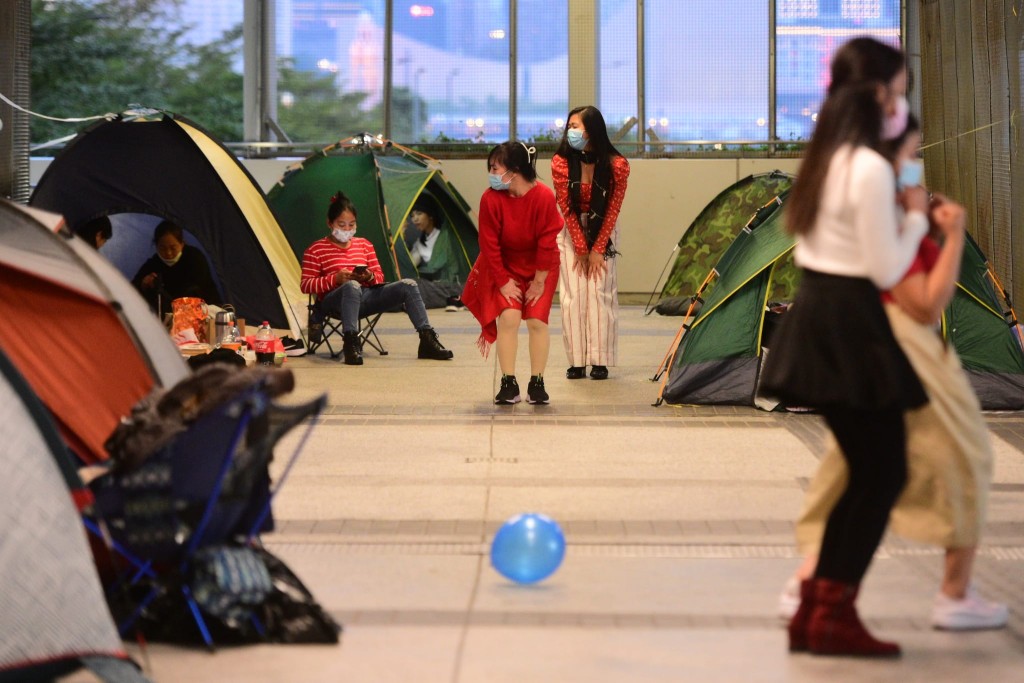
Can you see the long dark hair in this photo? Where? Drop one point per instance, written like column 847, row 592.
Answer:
column 515, row 156
column 601, row 148
column 339, row 204
column 864, row 59
column 851, row 114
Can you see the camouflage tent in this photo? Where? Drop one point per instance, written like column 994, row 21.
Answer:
column 717, row 356
column 711, row 233
column 716, row 359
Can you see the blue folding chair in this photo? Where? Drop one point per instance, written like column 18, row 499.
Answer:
column 208, row 488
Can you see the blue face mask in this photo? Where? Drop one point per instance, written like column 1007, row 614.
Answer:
column 576, row 139
column 911, row 173
column 497, row 183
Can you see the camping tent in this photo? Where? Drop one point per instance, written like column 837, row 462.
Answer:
column 383, row 180
column 86, row 342
column 164, row 165
column 711, row 233
column 982, row 327
column 717, row 357
column 52, row 611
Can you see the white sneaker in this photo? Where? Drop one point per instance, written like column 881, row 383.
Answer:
column 972, row 613
column 789, row 599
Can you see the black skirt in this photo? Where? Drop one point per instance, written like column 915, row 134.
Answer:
column 834, row 349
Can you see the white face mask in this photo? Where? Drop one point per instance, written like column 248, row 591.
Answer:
column 343, row 236
column 172, row 261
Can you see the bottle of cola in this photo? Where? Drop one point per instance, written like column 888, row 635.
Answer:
column 264, row 345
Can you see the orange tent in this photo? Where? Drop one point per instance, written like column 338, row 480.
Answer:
column 68, row 337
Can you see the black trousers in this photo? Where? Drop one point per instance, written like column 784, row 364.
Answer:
column 874, row 444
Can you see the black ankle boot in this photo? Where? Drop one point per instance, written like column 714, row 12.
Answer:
column 351, row 348
column 431, row 347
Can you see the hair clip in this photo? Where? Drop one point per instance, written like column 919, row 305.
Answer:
column 530, row 151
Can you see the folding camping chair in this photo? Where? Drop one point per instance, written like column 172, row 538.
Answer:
column 208, row 489
column 331, row 326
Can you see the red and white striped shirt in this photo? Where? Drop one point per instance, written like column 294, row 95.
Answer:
column 324, row 258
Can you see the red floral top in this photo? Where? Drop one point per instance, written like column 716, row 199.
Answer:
column 560, row 176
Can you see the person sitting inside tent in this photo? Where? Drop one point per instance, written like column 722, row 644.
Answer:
column 97, row 231
column 342, row 271
column 432, row 250
column 176, row 270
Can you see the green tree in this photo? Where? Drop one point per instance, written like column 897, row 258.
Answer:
column 93, row 57
column 314, row 110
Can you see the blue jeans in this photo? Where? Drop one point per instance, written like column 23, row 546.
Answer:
column 352, row 301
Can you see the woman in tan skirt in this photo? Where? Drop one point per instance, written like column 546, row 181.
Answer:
column 949, row 454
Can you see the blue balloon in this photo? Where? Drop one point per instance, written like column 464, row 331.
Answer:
column 528, row 548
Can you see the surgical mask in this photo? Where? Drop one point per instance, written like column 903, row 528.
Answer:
column 172, row 261
column 343, row 235
column 576, row 139
column 894, row 125
column 497, row 183
column 911, row 172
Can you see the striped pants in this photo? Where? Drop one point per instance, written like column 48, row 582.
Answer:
column 590, row 310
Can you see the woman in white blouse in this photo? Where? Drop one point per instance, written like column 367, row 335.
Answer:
column 834, row 350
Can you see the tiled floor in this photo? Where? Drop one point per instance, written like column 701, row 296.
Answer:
column 678, row 522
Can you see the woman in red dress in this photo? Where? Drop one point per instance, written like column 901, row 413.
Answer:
column 515, row 276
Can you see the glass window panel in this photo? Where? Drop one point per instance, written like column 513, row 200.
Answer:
column 93, row 56
column 330, row 68
column 616, row 86
column 808, row 32
column 705, row 69
column 542, row 74
column 450, row 77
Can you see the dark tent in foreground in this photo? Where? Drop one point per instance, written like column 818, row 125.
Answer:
column 53, row 614
column 710, row 234
column 163, row 165
column 717, row 357
column 383, row 180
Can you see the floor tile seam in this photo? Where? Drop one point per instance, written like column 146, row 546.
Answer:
column 503, row 481
column 593, row 620
column 1002, row 536
column 596, row 418
column 760, row 549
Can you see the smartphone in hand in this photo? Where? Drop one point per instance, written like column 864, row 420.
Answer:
column 358, row 271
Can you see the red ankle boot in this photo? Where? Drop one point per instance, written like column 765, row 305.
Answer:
column 802, row 617
column 834, row 627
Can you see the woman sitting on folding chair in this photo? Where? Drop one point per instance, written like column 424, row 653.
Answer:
column 342, row 271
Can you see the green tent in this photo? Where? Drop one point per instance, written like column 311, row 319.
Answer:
column 982, row 327
column 711, row 233
column 717, row 357
column 383, row 180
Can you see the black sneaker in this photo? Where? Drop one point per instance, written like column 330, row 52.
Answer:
column 535, row 391
column 509, row 392
column 454, row 304
column 293, row 347
column 576, row 372
column 599, row 372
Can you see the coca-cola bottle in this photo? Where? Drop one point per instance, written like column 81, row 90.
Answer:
column 264, row 345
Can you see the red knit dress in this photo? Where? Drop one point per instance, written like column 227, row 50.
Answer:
column 518, row 237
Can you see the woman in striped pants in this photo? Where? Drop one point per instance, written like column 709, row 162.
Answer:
column 590, row 178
